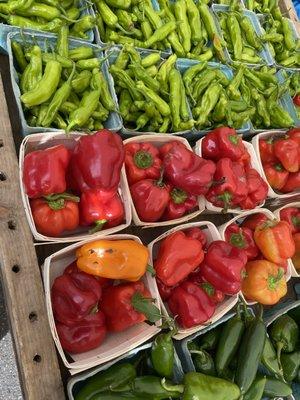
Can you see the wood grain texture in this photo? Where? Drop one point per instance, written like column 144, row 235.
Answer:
column 34, row 347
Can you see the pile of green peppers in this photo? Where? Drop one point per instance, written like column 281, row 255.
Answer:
column 241, row 351
column 149, row 376
column 65, row 88
column 261, row 6
column 183, row 26
column 151, row 92
column 242, row 41
column 47, row 15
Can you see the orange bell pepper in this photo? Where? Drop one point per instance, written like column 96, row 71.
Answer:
column 113, row 259
column 296, row 257
column 275, row 241
column 265, row 282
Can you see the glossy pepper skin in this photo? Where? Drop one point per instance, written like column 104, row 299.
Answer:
column 150, row 198
column 55, row 214
column 163, row 355
column 265, row 282
column 257, row 190
column 85, row 335
column 290, row 365
column 292, row 183
column 44, row 171
column 294, row 134
column 113, row 259
column 270, row 237
column 296, row 256
column 118, row 308
column 242, row 238
column 224, row 267
column 96, row 162
column 142, row 162
column 276, row 175
column 191, row 304
column 177, row 257
column 287, row 152
column 186, row 170
column 197, row 233
column 74, row 296
column 292, row 216
column 252, row 221
column 164, row 290
column 266, row 150
column 102, row 208
column 215, row 295
column 180, row 203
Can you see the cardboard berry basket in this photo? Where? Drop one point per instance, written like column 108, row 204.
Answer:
column 239, row 219
column 115, row 344
column 254, row 164
column 212, row 234
column 276, row 212
column 48, row 139
column 277, row 198
column 158, row 140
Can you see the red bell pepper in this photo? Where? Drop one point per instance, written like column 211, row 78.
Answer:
column 266, row 150
column 164, row 290
column 223, row 142
column 296, row 100
column 242, row 189
column 222, row 193
column 276, row 175
column 292, row 183
column 86, row 335
column 257, row 190
column 197, row 233
column 180, row 203
column 177, row 257
column 294, row 134
column 287, row 152
column 142, row 162
column 224, row 267
column 185, row 170
column 74, row 296
column 70, row 269
column 150, row 199
column 45, row 171
column 55, row 214
column 96, row 162
column 102, row 208
column 292, row 216
column 296, row 256
column 242, row 238
column 253, row 220
column 191, row 304
column 215, row 295
column 119, row 304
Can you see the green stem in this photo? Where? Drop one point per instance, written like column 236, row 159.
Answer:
column 98, row 226
column 143, row 159
column 171, row 388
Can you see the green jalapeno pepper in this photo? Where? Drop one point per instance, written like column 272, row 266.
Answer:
column 269, row 358
column 256, row 389
column 290, row 365
column 163, row 355
column 203, row 362
column 274, row 388
column 210, row 339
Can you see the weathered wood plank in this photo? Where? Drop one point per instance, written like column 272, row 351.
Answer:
column 34, row 347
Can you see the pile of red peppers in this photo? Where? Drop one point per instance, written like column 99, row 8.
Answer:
column 165, row 182
column 68, row 188
column 267, row 245
column 280, row 157
column 235, row 183
column 193, row 276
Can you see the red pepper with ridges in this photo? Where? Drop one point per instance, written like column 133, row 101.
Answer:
column 150, row 199
column 85, row 335
column 164, row 290
column 266, row 150
column 191, row 304
column 142, row 162
column 102, row 208
column 253, row 220
column 104, row 282
column 44, row 171
column 215, row 295
column 276, row 175
column 292, row 183
column 96, row 162
column 197, row 233
column 242, row 189
column 55, row 214
column 296, row 100
column 180, row 204
column 287, row 152
column 257, row 190
column 209, row 147
column 242, row 238
column 178, row 256
column 294, row 134
column 292, row 216
column 185, row 170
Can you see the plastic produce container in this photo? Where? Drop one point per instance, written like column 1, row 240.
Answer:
column 48, row 139
column 159, row 140
column 254, row 164
column 45, row 41
column 229, row 302
column 115, row 344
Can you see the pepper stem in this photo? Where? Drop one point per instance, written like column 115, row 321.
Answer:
column 226, row 199
column 57, row 201
column 178, row 196
column 273, row 280
column 279, row 347
column 171, row 388
column 98, row 226
column 238, row 240
column 234, row 139
column 159, row 182
column 143, row 159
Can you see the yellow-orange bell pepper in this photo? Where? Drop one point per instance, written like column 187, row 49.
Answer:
column 296, row 257
column 265, row 282
column 113, row 259
column 275, row 241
